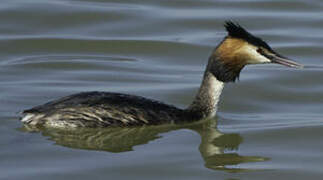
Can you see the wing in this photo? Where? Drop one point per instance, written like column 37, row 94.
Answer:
column 106, row 108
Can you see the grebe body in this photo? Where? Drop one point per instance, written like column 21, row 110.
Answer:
column 102, row 109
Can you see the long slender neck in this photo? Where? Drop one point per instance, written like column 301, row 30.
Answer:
column 205, row 102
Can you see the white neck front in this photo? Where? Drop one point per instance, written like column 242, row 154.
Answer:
column 208, row 96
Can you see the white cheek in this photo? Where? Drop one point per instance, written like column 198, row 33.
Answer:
column 254, row 56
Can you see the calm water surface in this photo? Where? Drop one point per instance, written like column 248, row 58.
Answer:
column 269, row 125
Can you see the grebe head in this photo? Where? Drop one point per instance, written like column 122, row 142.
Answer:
column 240, row 48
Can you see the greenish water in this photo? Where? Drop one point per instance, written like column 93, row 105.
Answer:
column 269, row 124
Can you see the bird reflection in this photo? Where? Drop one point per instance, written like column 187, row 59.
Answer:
column 217, row 149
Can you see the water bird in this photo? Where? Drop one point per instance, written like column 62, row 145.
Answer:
column 102, row 109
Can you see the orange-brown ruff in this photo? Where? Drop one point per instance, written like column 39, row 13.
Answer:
column 232, row 52
column 102, row 109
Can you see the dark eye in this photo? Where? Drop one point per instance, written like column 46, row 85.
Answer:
column 265, row 53
column 260, row 51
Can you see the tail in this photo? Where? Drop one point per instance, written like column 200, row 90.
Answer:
column 27, row 118
column 32, row 118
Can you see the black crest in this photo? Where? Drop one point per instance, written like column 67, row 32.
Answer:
column 236, row 31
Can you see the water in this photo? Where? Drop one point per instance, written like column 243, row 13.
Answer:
column 269, row 124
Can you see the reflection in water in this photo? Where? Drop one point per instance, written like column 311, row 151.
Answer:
column 217, row 149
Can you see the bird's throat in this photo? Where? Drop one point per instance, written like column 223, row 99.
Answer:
column 205, row 102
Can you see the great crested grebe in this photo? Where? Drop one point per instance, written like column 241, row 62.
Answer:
column 102, row 109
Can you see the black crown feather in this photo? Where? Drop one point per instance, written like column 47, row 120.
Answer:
column 236, row 31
